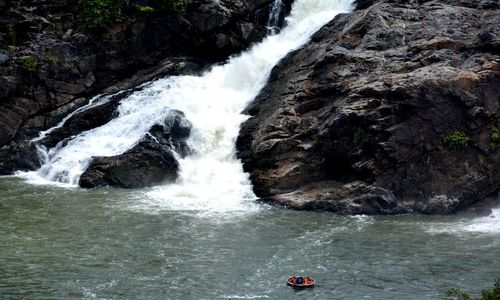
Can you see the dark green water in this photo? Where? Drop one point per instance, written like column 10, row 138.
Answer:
column 60, row 243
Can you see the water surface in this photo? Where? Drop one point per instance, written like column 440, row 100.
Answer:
column 68, row 243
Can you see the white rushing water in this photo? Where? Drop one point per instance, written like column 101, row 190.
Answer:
column 213, row 178
column 99, row 99
column 484, row 225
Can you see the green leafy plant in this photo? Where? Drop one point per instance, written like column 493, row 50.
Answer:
column 145, row 8
column 28, row 63
column 495, row 139
column 454, row 294
column 486, row 294
column 172, row 5
column 49, row 57
column 481, row 159
column 68, row 66
column 456, row 140
column 97, row 15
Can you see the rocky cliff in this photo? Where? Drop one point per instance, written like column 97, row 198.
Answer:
column 52, row 63
column 390, row 109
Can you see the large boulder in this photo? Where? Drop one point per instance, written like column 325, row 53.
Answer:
column 387, row 110
column 147, row 164
column 152, row 161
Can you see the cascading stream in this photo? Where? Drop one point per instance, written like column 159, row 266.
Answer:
column 275, row 12
column 213, row 177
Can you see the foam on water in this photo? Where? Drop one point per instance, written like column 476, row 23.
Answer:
column 212, row 179
column 484, row 225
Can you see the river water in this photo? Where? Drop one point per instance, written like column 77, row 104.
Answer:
column 68, row 243
column 205, row 237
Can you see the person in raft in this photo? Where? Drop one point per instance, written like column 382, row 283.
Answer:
column 301, row 280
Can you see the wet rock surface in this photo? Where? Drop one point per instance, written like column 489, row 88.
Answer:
column 151, row 162
column 50, row 66
column 359, row 120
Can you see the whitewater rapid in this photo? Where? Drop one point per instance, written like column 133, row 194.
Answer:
column 213, row 177
column 483, row 225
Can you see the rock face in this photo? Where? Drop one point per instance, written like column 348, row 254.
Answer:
column 152, row 161
column 387, row 110
column 50, row 66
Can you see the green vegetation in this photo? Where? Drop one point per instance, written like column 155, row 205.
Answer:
column 456, row 140
column 68, row 66
column 495, row 138
column 144, row 8
column 49, row 57
column 97, row 15
column 363, row 136
column 481, row 159
column 28, row 63
column 486, row 294
column 171, row 5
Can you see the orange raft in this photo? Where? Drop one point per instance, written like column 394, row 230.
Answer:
column 300, row 282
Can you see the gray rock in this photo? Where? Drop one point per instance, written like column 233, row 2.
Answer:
column 8, row 84
column 441, row 204
column 4, row 56
column 147, row 164
column 369, row 101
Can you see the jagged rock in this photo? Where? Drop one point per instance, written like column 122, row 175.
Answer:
column 478, row 4
column 152, row 161
column 47, row 58
column 88, row 119
column 8, row 84
column 12, row 115
column 369, row 102
column 19, row 157
column 352, row 198
column 440, row 205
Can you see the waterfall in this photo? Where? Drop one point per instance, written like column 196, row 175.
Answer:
column 213, row 176
column 99, row 99
column 275, row 12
